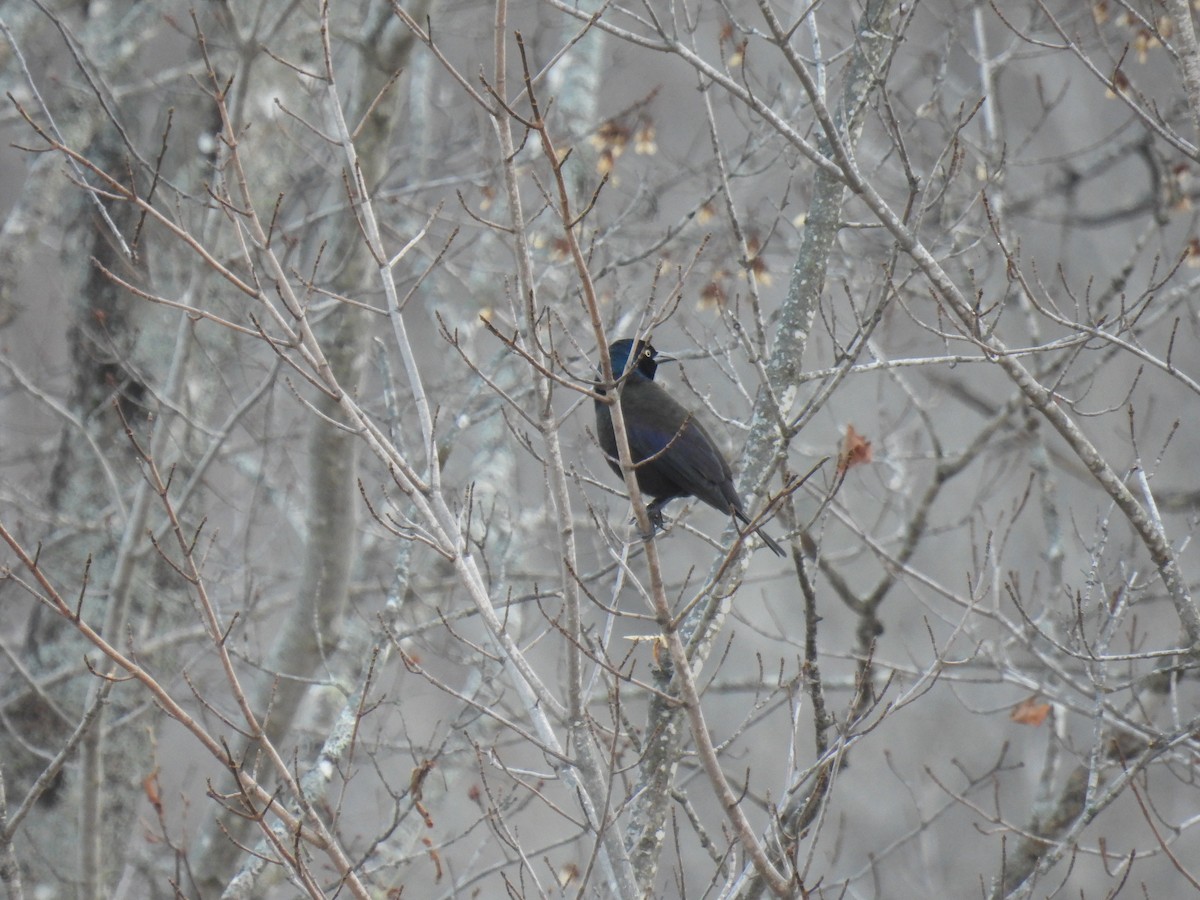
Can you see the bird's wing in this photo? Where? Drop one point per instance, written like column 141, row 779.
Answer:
column 693, row 462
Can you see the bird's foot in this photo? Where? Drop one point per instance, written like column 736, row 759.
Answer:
column 657, row 523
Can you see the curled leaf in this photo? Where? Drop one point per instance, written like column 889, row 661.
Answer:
column 1030, row 712
column 854, row 451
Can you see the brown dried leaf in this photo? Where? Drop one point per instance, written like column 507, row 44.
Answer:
column 153, row 792
column 855, row 451
column 1030, row 712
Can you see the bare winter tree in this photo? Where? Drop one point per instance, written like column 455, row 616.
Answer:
column 316, row 582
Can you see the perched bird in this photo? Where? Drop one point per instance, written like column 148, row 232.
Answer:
column 677, row 456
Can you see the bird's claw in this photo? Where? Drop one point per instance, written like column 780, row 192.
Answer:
column 657, row 524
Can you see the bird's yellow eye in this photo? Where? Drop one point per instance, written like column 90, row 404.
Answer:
column 647, row 353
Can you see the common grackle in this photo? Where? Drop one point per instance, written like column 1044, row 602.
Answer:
column 676, row 455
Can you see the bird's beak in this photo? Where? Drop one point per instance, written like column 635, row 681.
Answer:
column 665, row 357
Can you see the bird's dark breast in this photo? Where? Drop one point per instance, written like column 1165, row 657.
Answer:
column 683, row 461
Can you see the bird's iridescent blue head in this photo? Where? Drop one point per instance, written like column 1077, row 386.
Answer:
column 646, row 359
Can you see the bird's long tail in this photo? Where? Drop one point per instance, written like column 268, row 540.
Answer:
column 767, row 539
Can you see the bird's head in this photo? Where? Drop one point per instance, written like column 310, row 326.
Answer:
column 645, row 359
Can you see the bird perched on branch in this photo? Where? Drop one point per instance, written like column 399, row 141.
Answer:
column 673, row 454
